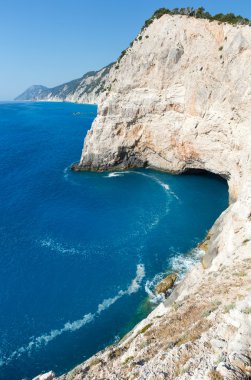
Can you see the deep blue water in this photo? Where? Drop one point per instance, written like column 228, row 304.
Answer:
column 79, row 250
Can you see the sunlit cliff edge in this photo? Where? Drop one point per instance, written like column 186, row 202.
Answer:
column 180, row 98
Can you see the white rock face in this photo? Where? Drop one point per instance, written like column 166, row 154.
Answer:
column 46, row 376
column 181, row 99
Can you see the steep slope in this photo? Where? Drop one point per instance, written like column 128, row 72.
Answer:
column 86, row 89
column 180, row 98
column 33, row 93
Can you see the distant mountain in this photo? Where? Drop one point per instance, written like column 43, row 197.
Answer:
column 33, row 92
column 86, row 89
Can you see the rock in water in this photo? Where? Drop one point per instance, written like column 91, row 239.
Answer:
column 166, row 284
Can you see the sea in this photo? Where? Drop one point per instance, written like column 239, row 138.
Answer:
column 81, row 253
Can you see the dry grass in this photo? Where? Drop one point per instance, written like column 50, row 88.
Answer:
column 229, row 307
column 185, row 323
column 130, row 358
column 195, row 332
column 170, row 334
column 247, row 310
column 215, row 375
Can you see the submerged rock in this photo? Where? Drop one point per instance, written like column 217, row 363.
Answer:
column 166, row 284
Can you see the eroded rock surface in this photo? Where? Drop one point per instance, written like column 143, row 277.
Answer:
column 180, row 99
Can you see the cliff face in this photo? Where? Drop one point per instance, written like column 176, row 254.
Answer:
column 86, row 89
column 179, row 93
column 179, row 99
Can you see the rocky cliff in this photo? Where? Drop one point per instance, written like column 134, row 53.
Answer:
column 86, row 89
column 179, row 99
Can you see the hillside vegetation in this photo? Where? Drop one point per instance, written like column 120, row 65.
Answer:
column 229, row 18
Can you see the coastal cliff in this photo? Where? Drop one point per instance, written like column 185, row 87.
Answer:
column 179, row 99
column 86, row 89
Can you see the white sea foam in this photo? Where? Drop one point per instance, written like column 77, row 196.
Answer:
column 135, row 284
column 55, row 246
column 109, row 302
column 66, row 173
column 116, row 174
column 150, row 286
column 181, row 263
column 164, row 185
column 44, row 339
column 69, row 178
column 132, row 288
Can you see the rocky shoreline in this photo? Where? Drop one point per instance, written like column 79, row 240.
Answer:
column 180, row 99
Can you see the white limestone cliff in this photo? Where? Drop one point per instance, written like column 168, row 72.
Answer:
column 179, row 99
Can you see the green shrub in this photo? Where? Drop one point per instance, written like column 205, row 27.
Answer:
column 215, row 375
column 123, row 53
column 229, row 307
column 200, row 12
column 145, row 328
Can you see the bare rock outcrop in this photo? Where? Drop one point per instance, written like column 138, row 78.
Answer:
column 180, row 99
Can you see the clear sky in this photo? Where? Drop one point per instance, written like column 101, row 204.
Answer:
column 52, row 41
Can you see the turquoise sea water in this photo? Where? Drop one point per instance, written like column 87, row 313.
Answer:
column 80, row 252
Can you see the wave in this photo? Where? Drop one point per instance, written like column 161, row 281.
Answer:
column 150, row 287
column 182, row 263
column 44, row 339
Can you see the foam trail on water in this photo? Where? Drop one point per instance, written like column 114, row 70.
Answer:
column 164, row 185
column 67, row 177
column 135, row 284
column 116, row 174
column 66, row 173
column 59, row 248
column 132, row 288
column 44, row 339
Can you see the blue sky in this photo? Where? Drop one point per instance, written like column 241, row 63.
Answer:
column 52, row 41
